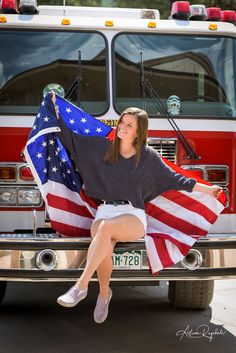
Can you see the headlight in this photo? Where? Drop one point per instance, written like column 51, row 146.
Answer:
column 15, row 196
column 29, row 197
column 8, row 196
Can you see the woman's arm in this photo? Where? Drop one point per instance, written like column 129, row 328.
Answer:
column 74, row 143
column 170, row 180
column 212, row 190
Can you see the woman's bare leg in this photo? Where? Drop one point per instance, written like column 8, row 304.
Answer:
column 104, row 270
column 122, row 228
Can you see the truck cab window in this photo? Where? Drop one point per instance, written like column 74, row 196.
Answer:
column 199, row 70
column 33, row 59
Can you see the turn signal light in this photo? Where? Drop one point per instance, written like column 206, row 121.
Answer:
column 7, row 173
column 26, row 174
column 216, row 175
column 198, row 173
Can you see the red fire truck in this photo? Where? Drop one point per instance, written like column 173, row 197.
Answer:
column 182, row 70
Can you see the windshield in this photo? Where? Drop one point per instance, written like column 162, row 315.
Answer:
column 200, row 71
column 31, row 60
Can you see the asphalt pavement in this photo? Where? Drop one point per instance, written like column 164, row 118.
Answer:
column 140, row 320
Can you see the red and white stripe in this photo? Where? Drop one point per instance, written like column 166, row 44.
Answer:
column 175, row 220
column 75, row 210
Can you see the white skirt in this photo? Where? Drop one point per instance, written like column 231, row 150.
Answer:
column 105, row 211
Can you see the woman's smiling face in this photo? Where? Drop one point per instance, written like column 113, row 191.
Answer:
column 127, row 128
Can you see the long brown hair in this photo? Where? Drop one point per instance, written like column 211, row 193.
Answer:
column 113, row 153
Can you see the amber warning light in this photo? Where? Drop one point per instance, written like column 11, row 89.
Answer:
column 7, row 173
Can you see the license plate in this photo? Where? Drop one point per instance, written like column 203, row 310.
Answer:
column 125, row 260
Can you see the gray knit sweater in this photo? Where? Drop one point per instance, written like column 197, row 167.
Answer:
column 121, row 180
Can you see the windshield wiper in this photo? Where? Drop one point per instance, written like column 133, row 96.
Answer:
column 147, row 87
column 76, row 84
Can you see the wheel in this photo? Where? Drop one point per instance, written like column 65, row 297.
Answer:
column 3, row 287
column 191, row 294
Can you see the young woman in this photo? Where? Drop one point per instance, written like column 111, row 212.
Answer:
column 123, row 174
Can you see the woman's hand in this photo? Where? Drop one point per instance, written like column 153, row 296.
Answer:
column 212, row 190
column 53, row 97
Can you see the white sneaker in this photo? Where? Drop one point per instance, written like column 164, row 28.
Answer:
column 101, row 310
column 72, row 297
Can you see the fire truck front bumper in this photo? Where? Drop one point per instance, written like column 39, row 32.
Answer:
column 47, row 257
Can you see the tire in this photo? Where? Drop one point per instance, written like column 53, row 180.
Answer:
column 3, row 287
column 191, row 294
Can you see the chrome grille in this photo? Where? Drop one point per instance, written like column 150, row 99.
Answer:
column 165, row 147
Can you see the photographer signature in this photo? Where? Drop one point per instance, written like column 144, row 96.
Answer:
column 201, row 331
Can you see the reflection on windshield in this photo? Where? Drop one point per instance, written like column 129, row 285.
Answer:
column 41, row 58
column 199, row 71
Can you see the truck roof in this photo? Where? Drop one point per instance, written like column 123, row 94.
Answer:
column 125, row 19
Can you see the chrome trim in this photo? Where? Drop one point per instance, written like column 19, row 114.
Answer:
column 16, row 181
column 192, row 260
column 18, row 254
column 226, row 191
column 21, row 187
column 166, row 147
column 47, row 260
column 69, row 262
column 205, row 167
column 34, row 222
column 53, row 237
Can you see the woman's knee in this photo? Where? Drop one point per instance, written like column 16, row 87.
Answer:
column 94, row 227
column 105, row 229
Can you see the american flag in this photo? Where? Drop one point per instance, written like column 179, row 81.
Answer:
column 175, row 219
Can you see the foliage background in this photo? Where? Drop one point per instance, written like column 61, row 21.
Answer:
column 164, row 6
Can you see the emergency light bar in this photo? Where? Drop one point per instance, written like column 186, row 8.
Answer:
column 28, row 7
column 213, row 14
column 229, row 16
column 180, row 10
column 8, row 6
column 198, row 13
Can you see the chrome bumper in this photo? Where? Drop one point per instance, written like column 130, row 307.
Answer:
column 47, row 257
